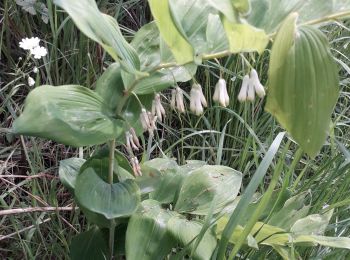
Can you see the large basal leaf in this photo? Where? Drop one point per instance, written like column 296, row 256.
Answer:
column 89, row 245
column 186, row 233
column 111, row 200
column 102, row 29
column 181, row 49
column 269, row 14
column 72, row 115
column 69, row 170
column 203, row 185
column 147, row 236
column 303, row 84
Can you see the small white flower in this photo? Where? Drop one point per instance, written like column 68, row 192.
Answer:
column 136, row 166
column 35, row 70
column 220, row 94
column 242, row 96
column 177, row 100
column 148, row 121
column 29, row 43
column 157, row 107
column 197, row 99
column 259, row 88
column 31, row 81
column 251, row 85
column 134, row 137
column 38, row 52
column 130, row 142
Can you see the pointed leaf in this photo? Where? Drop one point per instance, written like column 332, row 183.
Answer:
column 181, row 49
column 303, row 84
column 72, row 115
column 102, row 29
column 202, row 185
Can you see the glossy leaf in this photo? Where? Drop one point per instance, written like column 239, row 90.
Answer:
column 147, row 236
column 185, row 232
column 181, row 49
column 269, row 14
column 69, row 170
column 72, row 115
column 102, row 29
column 89, row 245
column 303, row 84
column 111, row 200
column 203, row 185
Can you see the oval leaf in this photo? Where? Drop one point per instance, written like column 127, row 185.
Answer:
column 111, row 200
column 72, row 115
column 303, row 84
column 203, row 185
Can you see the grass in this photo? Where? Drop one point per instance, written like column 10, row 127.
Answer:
column 237, row 136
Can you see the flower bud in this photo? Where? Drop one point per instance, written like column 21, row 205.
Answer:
column 157, row 108
column 180, row 100
column 258, row 87
column 242, row 96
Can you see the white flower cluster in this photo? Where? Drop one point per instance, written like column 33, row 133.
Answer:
column 251, row 85
column 32, row 45
column 197, row 99
column 148, row 121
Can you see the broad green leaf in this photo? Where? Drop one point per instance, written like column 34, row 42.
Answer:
column 89, row 245
column 72, row 115
column 147, row 43
column 181, row 49
column 303, row 84
column 314, row 224
column 220, row 226
column 110, row 87
column 203, row 185
column 111, row 200
column 293, row 209
column 68, row 172
column 214, row 29
column 147, row 236
column 225, row 7
column 269, row 14
column 185, row 232
column 244, row 37
column 102, row 29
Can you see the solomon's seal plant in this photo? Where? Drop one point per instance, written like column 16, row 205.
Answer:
column 158, row 208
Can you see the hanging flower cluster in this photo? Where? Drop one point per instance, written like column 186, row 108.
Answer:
column 250, row 86
column 132, row 141
column 148, row 121
column 157, row 108
column 177, row 100
column 32, row 45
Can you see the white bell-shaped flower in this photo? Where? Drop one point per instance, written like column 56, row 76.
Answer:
column 242, row 96
column 197, row 99
column 177, row 100
column 251, row 91
column 157, row 107
column 258, row 87
column 220, row 94
column 136, row 166
column 148, row 121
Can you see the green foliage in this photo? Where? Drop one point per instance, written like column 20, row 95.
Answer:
column 303, row 84
column 71, row 115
